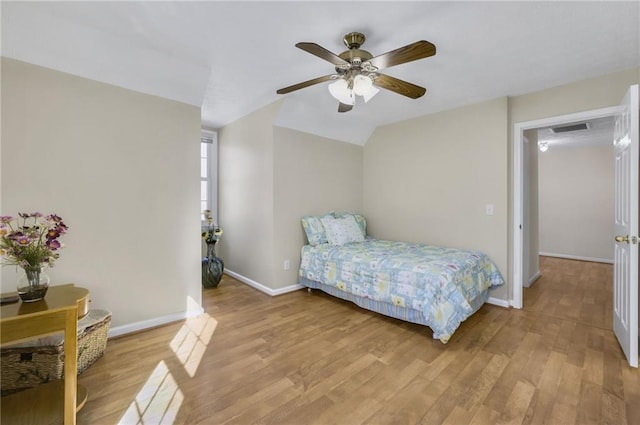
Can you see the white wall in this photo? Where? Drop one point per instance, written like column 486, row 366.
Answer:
column 122, row 169
column 429, row 179
column 576, row 202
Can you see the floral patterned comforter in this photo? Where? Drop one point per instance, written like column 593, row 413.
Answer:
column 442, row 283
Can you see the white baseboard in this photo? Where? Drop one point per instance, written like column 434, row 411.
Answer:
column 262, row 288
column 577, row 257
column 535, row 277
column 152, row 323
column 497, row 301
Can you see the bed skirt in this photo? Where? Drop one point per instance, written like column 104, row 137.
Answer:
column 391, row 310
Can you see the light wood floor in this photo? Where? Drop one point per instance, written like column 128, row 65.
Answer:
column 312, row 359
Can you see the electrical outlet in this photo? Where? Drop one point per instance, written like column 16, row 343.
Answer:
column 287, row 264
column 488, row 209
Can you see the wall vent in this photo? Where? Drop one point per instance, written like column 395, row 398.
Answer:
column 571, row 127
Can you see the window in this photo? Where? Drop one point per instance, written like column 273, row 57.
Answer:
column 208, row 173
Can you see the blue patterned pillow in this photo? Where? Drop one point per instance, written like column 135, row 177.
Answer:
column 342, row 230
column 314, row 228
column 362, row 222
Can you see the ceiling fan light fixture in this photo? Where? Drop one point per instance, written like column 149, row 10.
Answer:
column 368, row 95
column 341, row 91
column 361, row 84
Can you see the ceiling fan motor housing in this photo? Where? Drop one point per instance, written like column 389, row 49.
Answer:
column 354, row 56
column 353, row 40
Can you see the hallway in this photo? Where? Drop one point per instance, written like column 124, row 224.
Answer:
column 575, row 290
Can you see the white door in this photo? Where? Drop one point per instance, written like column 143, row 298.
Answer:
column 625, row 276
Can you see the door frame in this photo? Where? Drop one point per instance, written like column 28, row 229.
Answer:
column 515, row 291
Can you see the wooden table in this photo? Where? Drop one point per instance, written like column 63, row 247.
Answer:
column 54, row 401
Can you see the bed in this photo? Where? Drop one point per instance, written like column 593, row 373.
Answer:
column 430, row 285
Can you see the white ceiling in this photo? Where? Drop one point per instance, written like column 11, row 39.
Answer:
column 231, row 57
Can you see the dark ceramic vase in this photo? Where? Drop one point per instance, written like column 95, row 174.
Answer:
column 212, row 267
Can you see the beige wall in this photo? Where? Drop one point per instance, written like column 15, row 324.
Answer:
column 313, row 175
column 245, row 195
column 122, row 169
column 576, row 202
column 269, row 178
column 429, row 180
column 531, row 266
column 586, row 95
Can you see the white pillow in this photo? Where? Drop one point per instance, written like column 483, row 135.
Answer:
column 342, row 230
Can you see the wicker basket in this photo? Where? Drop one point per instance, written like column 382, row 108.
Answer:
column 30, row 364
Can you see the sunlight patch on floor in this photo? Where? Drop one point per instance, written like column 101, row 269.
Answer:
column 191, row 341
column 158, row 402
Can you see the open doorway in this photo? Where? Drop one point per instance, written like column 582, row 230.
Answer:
column 569, row 203
column 568, row 247
column 525, row 244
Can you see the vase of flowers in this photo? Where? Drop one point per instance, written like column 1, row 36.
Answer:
column 31, row 242
column 212, row 265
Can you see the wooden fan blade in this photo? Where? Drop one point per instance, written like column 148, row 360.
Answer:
column 399, row 86
column 322, row 53
column 343, row 107
column 305, row 84
column 411, row 52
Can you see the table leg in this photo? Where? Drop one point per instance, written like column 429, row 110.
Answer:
column 70, row 366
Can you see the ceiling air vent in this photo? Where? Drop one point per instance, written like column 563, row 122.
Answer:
column 207, row 136
column 571, row 127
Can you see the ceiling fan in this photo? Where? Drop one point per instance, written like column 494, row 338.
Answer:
column 357, row 70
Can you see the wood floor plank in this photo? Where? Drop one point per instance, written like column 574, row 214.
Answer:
column 370, row 398
column 613, row 410
column 458, row 416
column 593, row 367
column 517, row 404
column 303, row 358
column 540, row 411
column 562, row 414
column 457, row 393
column 512, row 373
column 631, row 384
column 589, row 407
column 409, row 405
column 485, row 416
column 569, row 387
column 478, row 389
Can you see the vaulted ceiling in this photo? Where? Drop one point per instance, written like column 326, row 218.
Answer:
column 229, row 58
